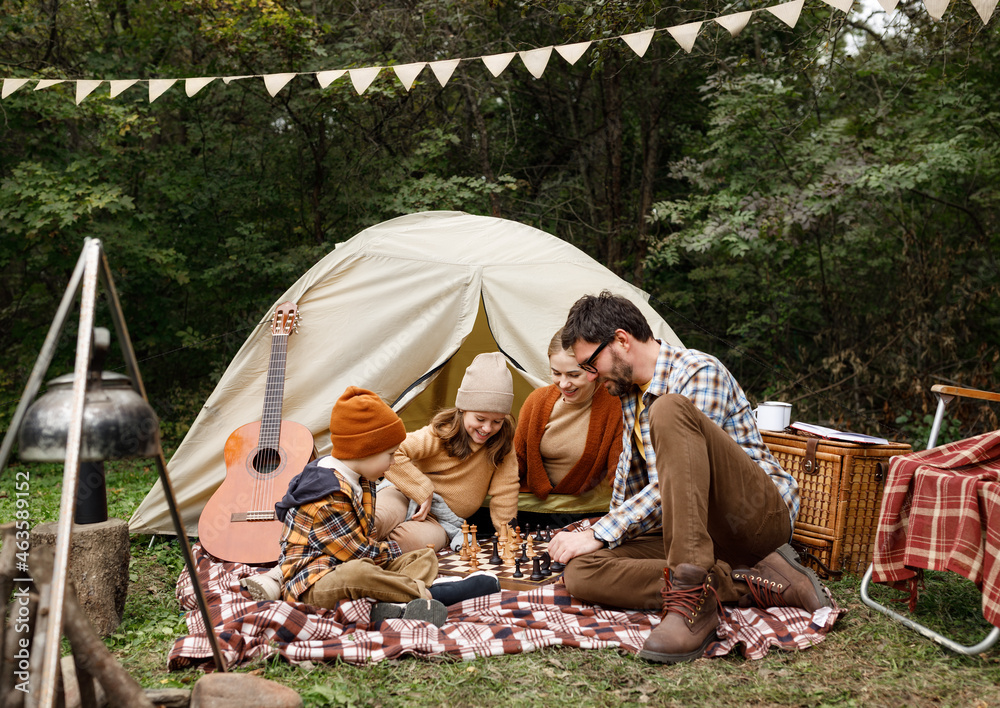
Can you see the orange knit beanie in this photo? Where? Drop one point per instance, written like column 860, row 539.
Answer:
column 361, row 424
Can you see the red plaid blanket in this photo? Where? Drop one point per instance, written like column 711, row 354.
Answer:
column 504, row 623
column 941, row 511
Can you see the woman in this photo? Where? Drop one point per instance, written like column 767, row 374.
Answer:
column 567, row 442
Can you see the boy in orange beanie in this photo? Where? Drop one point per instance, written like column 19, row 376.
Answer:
column 328, row 553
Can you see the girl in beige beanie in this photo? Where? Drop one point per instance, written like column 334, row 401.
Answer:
column 463, row 455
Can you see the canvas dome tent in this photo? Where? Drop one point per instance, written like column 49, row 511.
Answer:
column 401, row 308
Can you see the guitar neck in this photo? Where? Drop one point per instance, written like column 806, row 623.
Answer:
column 274, row 391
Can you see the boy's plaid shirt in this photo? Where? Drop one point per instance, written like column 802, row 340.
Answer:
column 321, row 535
column 712, row 388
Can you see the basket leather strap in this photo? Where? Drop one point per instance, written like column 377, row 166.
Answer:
column 809, row 465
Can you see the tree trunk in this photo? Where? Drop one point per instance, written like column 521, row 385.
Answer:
column 484, row 148
column 650, row 126
column 611, row 81
column 650, row 157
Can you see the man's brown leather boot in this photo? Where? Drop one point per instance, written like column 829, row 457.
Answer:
column 781, row 581
column 690, row 616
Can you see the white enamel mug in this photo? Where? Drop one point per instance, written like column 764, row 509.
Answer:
column 773, row 415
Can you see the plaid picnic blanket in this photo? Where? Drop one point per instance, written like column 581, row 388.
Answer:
column 941, row 511
column 507, row 622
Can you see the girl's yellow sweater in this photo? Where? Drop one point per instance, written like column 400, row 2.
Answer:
column 422, row 467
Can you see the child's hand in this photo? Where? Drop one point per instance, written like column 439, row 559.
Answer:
column 421, row 513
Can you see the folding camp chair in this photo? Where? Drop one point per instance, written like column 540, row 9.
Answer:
column 944, row 394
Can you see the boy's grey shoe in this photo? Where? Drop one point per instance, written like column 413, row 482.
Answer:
column 265, row 587
column 430, row 611
column 385, row 610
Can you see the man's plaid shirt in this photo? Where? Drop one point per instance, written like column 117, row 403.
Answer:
column 635, row 499
column 320, row 535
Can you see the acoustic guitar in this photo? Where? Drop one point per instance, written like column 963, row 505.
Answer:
column 238, row 523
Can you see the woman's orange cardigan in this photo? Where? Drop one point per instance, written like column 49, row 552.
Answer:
column 599, row 452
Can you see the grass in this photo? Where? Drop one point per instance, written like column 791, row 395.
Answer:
column 867, row 660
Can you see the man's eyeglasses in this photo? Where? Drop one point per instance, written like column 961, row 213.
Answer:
column 588, row 365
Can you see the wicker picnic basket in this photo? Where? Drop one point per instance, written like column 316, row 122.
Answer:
column 841, row 486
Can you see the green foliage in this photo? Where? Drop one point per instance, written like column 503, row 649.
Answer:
column 36, row 200
column 918, row 428
column 857, row 226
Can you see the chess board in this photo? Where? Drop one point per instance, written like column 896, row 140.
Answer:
column 450, row 563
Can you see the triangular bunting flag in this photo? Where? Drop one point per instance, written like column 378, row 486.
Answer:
column 573, row 52
column 888, row 5
column 276, row 82
column 639, row 41
column 119, row 85
column 444, row 69
column 84, row 87
column 496, row 63
column 787, row 12
column 158, row 87
column 936, row 8
column 985, row 8
column 408, row 73
column 735, row 23
column 685, row 34
column 535, row 60
column 842, row 5
column 193, row 86
column 45, row 83
column 11, row 85
column 326, row 78
column 227, row 79
column 362, row 78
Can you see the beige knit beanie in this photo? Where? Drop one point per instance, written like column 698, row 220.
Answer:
column 487, row 386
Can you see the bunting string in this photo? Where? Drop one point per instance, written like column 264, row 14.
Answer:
column 534, row 60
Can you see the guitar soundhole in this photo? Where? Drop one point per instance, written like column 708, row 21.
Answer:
column 266, row 461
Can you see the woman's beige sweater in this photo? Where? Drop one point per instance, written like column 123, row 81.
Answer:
column 422, row 467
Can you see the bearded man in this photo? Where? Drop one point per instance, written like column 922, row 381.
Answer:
column 701, row 512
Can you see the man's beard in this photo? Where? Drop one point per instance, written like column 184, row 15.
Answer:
column 619, row 381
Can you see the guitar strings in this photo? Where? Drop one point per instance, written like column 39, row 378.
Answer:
column 268, row 457
column 279, row 385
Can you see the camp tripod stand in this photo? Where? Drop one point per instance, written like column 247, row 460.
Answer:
column 91, row 265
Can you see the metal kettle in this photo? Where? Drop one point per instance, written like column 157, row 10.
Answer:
column 118, row 423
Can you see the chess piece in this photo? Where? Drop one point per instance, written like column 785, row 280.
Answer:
column 546, row 564
column 540, row 534
column 496, row 559
column 476, row 548
column 557, row 567
column 536, row 570
column 531, row 547
column 464, row 552
column 517, row 569
column 474, row 564
column 507, row 548
column 524, row 553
